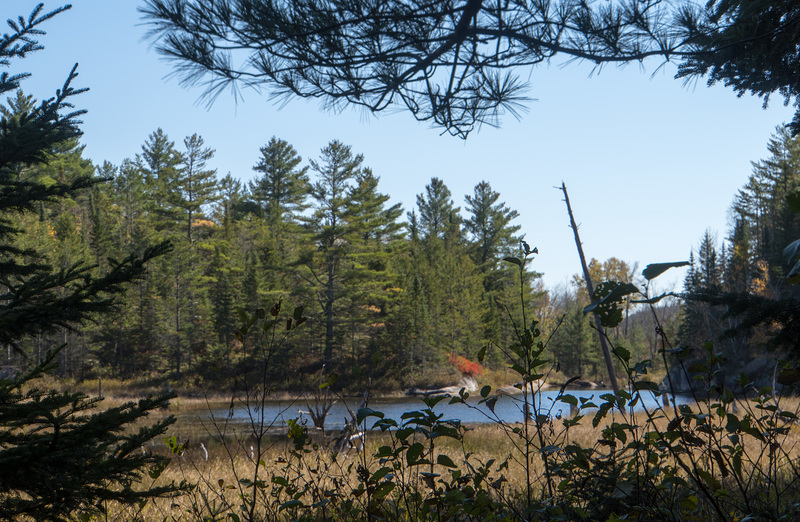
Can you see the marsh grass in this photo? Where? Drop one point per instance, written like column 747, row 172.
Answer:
column 310, row 481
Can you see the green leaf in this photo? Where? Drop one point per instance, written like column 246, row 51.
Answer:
column 607, row 298
column 518, row 369
column 331, row 380
column 157, row 468
column 383, row 489
column 622, row 353
column 275, row 310
column 513, row 260
column 485, row 391
column 444, row 460
column 569, row 399
column 709, row 479
column 363, row 413
column 654, row 270
column 482, row 353
column 737, row 464
column 601, row 413
column 698, row 367
column 290, row 504
column 378, row 475
column 645, row 385
column 298, row 313
column 414, row 452
column 266, row 325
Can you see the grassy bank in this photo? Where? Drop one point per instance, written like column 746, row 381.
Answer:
column 659, row 466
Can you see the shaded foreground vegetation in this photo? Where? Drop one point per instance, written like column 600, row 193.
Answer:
column 319, row 475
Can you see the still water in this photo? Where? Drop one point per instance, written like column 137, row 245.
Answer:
column 508, row 409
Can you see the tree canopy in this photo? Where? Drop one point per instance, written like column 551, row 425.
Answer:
column 460, row 64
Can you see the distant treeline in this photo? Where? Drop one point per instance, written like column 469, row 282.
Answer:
column 388, row 294
column 751, row 262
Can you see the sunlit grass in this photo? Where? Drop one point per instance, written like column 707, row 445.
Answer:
column 219, row 463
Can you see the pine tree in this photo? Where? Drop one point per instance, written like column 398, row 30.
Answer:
column 375, row 240
column 702, row 322
column 59, row 457
column 489, row 226
column 572, row 344
column 226, row 210
column 282, row 190
column 336, row 171
column 491, row 238
column 436, row 208
column 195, row 187
column 160, row 164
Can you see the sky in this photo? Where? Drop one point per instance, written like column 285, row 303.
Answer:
column 650, row 163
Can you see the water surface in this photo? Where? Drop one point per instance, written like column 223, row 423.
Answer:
column 508, row 409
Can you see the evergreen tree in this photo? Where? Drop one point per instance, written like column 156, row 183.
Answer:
column 59, row 458
column 702, row 322
column 375, row 236
column 492, row 237
column 572, row 345
column 160, row 164
column 436, row 209
column 445, row 278
column 226, row 211
column 489, row 225
column 336, row 172
column 282, row 190
column 195, row 187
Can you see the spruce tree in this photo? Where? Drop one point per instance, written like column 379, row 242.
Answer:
column 59, row 456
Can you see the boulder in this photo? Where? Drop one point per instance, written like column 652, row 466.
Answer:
column 467, row 382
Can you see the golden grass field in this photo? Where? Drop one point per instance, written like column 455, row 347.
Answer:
column 219, row 467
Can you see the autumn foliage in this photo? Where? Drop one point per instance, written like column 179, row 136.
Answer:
column 465, row 366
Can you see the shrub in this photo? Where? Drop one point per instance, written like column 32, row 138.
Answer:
column 465, row 366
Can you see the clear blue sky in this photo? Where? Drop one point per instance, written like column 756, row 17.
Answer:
column 649, row 162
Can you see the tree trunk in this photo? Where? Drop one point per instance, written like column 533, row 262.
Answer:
column 329, row 300
column 590, row 288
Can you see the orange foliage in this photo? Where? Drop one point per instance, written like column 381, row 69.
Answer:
column 465, row 366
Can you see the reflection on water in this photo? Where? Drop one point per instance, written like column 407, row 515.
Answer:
column 507, row 409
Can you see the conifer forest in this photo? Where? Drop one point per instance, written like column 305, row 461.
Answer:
column 228, row 320
column 390, row 292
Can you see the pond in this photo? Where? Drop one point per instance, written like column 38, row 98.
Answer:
column 509, row 409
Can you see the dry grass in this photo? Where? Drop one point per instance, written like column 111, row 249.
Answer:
column 221, row 480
